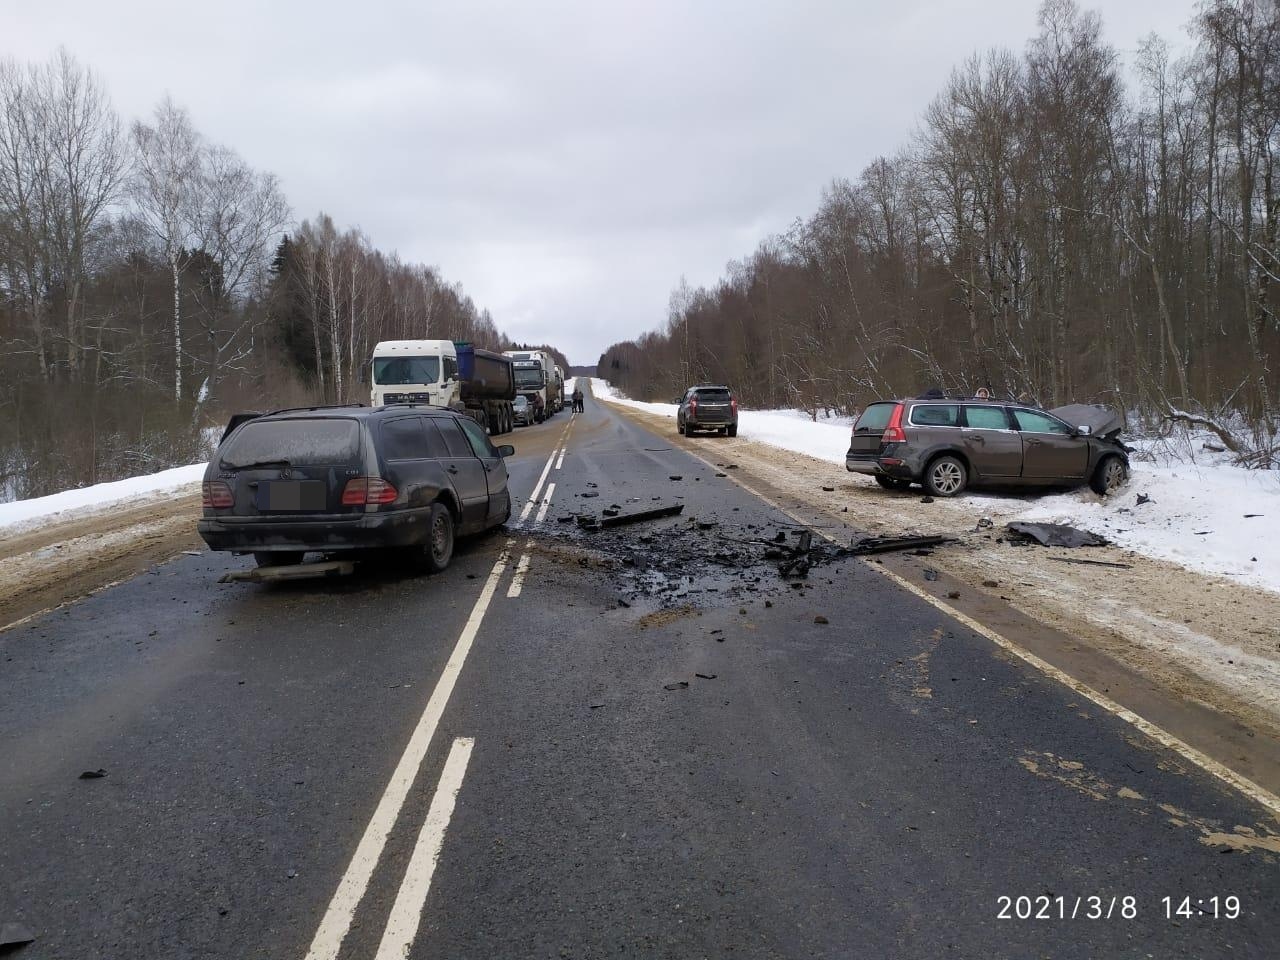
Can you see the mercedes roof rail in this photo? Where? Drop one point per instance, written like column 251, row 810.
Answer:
column 319, row 406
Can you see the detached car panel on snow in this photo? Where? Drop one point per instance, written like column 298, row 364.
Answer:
column 949, row 444
column 349, row 478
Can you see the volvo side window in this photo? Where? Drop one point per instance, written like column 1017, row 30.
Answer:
column 986, row 418
column 935, row 415
column 1031, row 422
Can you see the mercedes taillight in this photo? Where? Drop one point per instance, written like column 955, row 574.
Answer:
column 216, row 495
column 364, row 490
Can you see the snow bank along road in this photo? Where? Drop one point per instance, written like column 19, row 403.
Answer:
column 654, row 746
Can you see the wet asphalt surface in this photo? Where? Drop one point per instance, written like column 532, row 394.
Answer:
column 865, row 787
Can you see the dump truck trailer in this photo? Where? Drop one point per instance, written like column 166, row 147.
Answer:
column 488, row 385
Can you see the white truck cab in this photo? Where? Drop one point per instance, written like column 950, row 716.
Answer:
column 417, row 371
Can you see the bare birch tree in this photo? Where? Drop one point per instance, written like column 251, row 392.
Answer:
column 167, row 171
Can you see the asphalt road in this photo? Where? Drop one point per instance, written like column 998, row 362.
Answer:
column 397, row 765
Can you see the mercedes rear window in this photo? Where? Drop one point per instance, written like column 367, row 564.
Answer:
column 875, row 417
column 297, row 442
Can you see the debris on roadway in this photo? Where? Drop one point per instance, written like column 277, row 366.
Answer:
column 1093, row 563
column 611, row 517
column 1053, row 535
column 14, row 935
column 293, row 571
column 870, row 545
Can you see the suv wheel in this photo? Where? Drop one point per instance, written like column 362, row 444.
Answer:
column 438, row 550
column 278, row 558
column 1110, row 476
column 733, row 430
column 680, row 429
column 945, row 477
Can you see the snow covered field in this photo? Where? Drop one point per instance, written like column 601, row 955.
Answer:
column 1204, row 516
column 19, row 515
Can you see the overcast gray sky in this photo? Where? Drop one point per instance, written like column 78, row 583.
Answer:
column 567, row 161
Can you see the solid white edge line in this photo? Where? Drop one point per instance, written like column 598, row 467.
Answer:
column 406, row 913
column 1244, row 785
column 336, row 922
column 546, row 502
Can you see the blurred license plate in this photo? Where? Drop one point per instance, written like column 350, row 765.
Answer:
column 304, row 495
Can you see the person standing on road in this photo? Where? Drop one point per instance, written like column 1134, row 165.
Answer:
column 577, row 400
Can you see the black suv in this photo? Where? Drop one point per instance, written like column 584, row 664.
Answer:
column 707, row 407
column 337, row 479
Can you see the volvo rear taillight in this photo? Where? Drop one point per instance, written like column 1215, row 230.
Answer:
column 893, row 433
column 734, row 404
column 216, row 495
column 363, row 490
column 693, row 404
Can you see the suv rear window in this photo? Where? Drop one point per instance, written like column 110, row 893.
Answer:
column 300, row 442
column 935, row 415
column 875, row 417
column 713, row 395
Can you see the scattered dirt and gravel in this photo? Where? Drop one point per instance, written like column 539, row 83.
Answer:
column 61, row 561
column 1207, row 639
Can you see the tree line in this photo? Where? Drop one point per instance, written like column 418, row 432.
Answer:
column 151, row 280
column 1051, row 232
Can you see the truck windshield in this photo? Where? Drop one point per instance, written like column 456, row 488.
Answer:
column 399, row 371
column 529, row 377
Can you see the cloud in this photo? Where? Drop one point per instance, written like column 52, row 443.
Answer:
column 566, row 162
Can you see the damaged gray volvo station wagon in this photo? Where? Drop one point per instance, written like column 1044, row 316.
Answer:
column 341, row 479
column 949, row 444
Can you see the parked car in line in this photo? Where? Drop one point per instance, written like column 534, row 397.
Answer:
column 707, row 407
column 946, row 445
column 521, row 412
column 350, row 478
